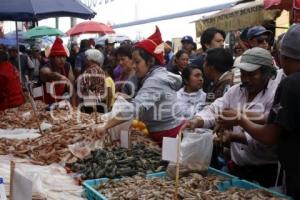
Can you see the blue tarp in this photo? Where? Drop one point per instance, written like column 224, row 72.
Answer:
column 12, row 35
column 8, row 42
column 34, row 10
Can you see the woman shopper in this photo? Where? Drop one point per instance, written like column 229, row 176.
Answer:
column 92, row 82
column 191, row 97
column 180, row 63
column 154, row 101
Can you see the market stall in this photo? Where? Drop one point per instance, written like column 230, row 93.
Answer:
column 67, row 139
column 68, row 154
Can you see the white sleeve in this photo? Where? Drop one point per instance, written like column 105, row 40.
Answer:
column 210, row 112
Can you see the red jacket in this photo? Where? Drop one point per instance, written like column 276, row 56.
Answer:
column 11, row 94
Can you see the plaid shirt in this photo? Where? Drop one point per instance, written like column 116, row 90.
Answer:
column 92, row 83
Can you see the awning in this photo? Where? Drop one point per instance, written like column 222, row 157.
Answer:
column 237, row 17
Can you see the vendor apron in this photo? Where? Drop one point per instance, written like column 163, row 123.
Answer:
column 58, row 89
column 158, row 136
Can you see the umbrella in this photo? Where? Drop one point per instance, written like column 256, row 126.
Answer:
column 90, row 27
column 8, row 41
column 40, row 31
column 281, row 4
column 293, row 5
column 116, row 37
column 12, row 35
column 34, row 10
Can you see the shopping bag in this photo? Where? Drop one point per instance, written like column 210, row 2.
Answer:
column 195, row 152
column 121, row 105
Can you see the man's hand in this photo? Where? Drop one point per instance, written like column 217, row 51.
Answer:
column 125, row 96
column 100, row 131
column 192, row 124
column 223, row 137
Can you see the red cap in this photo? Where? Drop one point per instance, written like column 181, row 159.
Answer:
column 58, row 48
column 153, row 45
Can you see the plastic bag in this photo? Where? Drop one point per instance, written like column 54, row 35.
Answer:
column 120, row 105
column 195, row 152
column 79, row 149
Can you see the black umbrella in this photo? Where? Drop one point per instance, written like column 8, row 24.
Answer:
column 34, row 10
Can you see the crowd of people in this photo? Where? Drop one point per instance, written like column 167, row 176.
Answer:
column 251, row 96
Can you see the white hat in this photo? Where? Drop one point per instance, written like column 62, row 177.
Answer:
column 94, row 55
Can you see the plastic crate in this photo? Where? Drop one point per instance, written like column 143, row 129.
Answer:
column 225, row 185
column 93, row 194
column 221, row 173
column 232, row 181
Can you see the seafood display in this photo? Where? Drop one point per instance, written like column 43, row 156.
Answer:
column 23, row 117
column 49, row 148
column 194, row 186
column 117, row 162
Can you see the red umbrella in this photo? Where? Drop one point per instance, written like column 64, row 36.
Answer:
column 288, row 5
column 90, row 27
column 281, row 4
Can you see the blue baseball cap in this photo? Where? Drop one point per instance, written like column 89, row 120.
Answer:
column 256, row 31
column 188, row 39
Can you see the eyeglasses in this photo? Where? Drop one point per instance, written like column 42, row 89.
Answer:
column 261, row 39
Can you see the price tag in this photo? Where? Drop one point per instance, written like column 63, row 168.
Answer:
column 37, row 92
column 124, row 137
column 48, row 88
column 22, row 187
column 169, row 149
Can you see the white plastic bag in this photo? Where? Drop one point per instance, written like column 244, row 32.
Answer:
column 195, row 152
column 120, row 105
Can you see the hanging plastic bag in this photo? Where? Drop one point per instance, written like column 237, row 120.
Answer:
column 195, row 152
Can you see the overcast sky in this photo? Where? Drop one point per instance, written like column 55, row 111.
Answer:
column 121, row 11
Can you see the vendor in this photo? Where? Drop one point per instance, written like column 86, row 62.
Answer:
column 154, row 101
column 251, row 160
column 11, row 94
column 57, row 69
column 283, row 123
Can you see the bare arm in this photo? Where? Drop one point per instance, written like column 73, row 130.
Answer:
column 118, row 119
column 47, row 75
column 256, row 117
column 267, row 134
column 196, row 122
column 109, row 98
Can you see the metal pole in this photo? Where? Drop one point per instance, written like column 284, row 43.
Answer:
column 56, row 22
column 19, row 59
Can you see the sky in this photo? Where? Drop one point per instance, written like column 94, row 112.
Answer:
column 122, row 11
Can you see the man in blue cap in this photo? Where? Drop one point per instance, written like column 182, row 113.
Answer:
column 187, row 44
column 259, row 36
column 283, row 127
